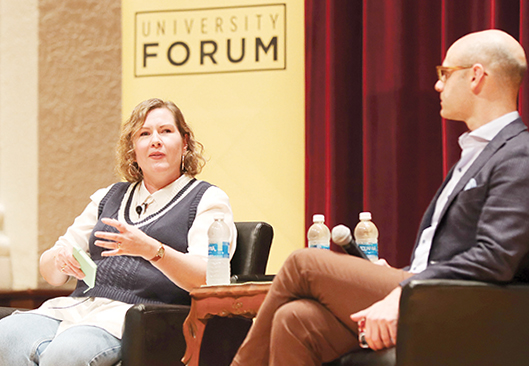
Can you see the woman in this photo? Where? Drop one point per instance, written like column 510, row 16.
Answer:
column 148, row 237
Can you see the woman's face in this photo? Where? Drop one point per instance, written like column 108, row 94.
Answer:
column 159, row 147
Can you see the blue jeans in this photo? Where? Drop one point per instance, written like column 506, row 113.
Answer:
column 30, row 339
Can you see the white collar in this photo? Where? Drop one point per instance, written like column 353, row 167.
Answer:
column 489, row 130
column 161, row 196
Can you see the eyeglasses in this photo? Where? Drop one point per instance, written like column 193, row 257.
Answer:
column 443, row 72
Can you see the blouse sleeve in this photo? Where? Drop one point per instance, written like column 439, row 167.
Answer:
column 213, row 201
column 79, row 232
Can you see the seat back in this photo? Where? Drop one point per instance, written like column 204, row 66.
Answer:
column 254, row 240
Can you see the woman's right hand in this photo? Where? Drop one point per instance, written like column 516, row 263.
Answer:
column 66, row 263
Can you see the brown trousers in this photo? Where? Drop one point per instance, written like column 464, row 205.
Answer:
column 304, row 319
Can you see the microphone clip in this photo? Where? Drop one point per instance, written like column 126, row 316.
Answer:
column 141, row 208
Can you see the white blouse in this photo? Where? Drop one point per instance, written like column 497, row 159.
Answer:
column 110, row 314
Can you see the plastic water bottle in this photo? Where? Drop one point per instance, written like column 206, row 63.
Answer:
column 218, row 270
column 319, row 235
column 366, row 236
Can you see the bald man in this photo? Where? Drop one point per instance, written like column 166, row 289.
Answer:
column 476, row 227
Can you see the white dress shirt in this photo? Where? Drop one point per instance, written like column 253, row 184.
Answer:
column 472, row 144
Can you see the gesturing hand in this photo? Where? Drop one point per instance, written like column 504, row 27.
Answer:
column 128, row 241
column 381, row 321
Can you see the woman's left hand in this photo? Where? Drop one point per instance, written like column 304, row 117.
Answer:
column 129, row 241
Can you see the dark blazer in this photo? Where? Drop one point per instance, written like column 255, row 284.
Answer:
column 483, row 231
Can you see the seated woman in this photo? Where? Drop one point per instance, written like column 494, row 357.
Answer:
column 148, row 237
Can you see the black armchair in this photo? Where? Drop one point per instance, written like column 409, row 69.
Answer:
column 448, row 322
column 153, row 333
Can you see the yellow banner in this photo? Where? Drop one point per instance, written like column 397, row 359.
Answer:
column 199, row 41
column 236, row 70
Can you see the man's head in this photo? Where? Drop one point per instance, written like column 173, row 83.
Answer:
column 480, row 78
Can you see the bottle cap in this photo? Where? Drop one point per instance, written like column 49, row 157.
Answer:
column 365, row 215
column 318, row 218
column 218, row 216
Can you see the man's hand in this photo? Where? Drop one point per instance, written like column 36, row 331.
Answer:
column 381, row 321
column 382, row 262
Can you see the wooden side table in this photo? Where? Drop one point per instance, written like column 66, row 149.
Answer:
column 231, row 300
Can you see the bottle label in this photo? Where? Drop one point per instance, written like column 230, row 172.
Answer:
column 320, row 244
column 370, row 249
column 220, row 250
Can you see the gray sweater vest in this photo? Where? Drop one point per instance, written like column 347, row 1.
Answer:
column 135, row 280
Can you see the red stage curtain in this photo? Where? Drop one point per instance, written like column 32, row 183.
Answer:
column 334, row 111
column 375, row 140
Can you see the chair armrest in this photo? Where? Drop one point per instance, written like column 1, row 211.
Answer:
column 448, row 322
column 366, row 357
column 5, row 311
column 251, row 278
column 153, row 335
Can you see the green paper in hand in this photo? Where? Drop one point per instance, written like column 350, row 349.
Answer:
column 88, row 266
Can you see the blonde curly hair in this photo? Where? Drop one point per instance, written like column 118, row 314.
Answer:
column 128, row 168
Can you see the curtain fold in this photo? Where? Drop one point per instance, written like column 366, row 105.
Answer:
column 333, row 111
column 375, row 139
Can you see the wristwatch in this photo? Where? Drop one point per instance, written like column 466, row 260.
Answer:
column 159, row 254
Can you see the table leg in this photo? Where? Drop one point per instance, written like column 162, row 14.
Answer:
column 193, row 332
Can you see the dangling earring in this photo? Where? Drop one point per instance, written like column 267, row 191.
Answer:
column 134, row 170
column 183, row 167
column 131, row 169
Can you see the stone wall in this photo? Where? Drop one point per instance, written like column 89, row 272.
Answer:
column 60, row 111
